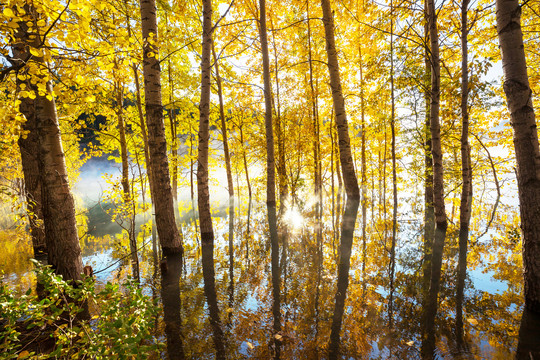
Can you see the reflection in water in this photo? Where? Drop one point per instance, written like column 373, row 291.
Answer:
column 248, row 230
column 460, row 293
column 347, row 232
column 171, row 269
column 319, row 265
column 276, row 280
column 428, row 339
column 529, row 336
column 210, row 293
column 231, row 259
column 288, row 306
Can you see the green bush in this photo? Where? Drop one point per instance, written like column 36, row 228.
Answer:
column 121, row 325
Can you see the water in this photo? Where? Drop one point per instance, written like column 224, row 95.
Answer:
column 493, row 303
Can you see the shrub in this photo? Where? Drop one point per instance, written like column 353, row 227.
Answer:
column 121, row 325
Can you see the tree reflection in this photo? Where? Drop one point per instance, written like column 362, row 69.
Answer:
column 276, row 280
column 211, row 296
column 347, row 232
column 171, row 269
column 529, row 336
column 286, row 302
column 231, row 258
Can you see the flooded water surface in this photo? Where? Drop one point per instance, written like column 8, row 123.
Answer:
column 313, row 287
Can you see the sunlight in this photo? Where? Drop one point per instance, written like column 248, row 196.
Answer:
column 294, row 219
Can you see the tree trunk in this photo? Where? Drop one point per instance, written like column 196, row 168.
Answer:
column 224, row 129
column 229, row 183
column 316, row 137
column 244, row 159
column 29, row 147
column 142, row 125
column 125, row 180
column 345, row 156
column 270, row 162
column 364, row 172
column 161, row 190
column 270, row 176
column 429, row 212
column 281, row 167
column 203, row 194
column 519, row 100
column 438, row 182
column 174, row 143
column 61, row 238
column 394, row 172
column 123, row 144
column 64, row 252
column 466, row 171
column 205, row 217
column 333, row 190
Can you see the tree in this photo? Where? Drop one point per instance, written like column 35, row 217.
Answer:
column 205, row 217
column 520, row 105
column 438, row 180
column 270, row 173
column 345, row 156
column 466, row 171
column 270, row 161
column 29, row 149
column 349, row 178
column 162, row 197
column 61, row 238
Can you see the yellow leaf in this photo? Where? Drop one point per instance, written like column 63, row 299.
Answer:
column 410, row 343
column 278, row 337
column 8, row 12
column 250, row 345
column 35, row 51
column 472, row 321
